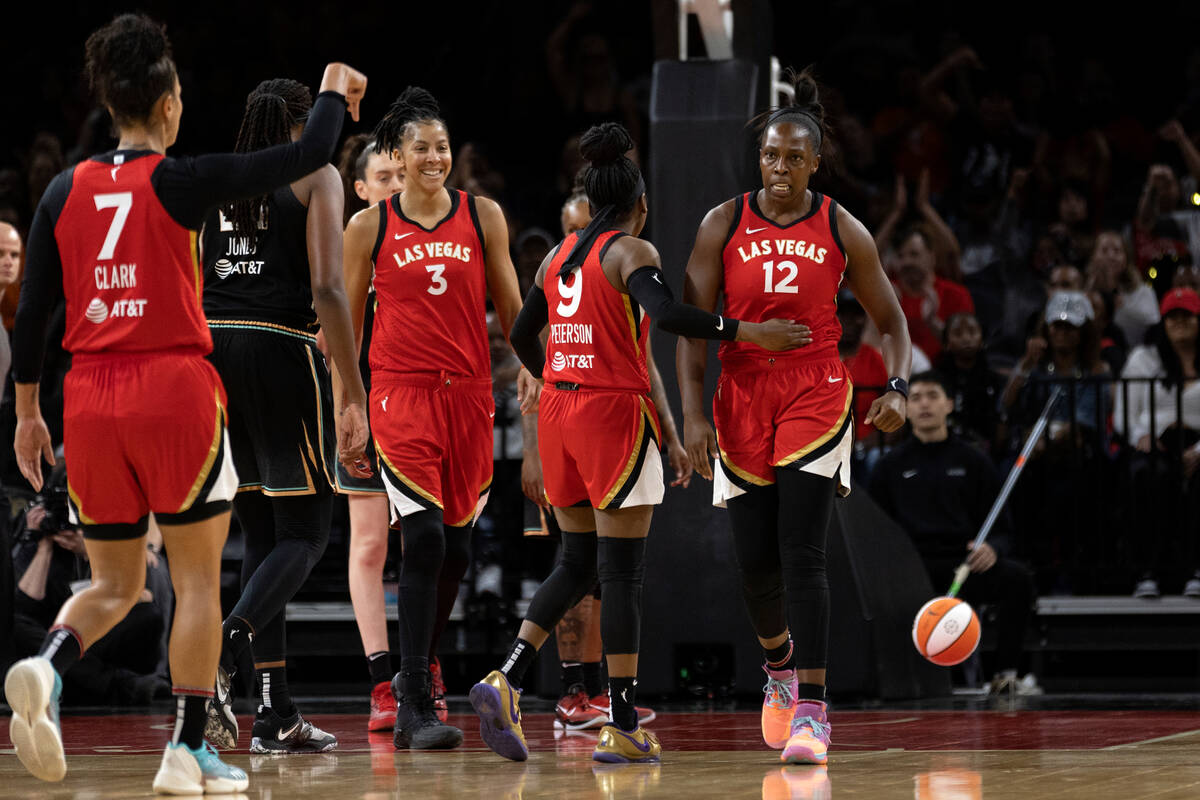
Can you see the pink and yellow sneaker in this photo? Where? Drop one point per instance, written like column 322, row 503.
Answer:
column 779, row 706
column 809, row 742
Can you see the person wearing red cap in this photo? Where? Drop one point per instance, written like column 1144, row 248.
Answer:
column 1169, row 406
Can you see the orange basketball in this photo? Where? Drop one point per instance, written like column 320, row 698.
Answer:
column 946, row 631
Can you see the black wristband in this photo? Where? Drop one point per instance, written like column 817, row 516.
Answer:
column 898, row 385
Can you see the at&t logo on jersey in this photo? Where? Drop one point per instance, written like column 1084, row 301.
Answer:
column 561, row 361
column 97, row 312
column 224, row 267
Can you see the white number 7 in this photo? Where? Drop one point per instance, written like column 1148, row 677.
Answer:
column 122, row 202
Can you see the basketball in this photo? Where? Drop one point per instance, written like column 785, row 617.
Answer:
column 946, row 631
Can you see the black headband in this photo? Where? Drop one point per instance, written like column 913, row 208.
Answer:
column 601, row 222
column 789, row 111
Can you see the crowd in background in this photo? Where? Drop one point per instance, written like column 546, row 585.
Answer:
column 1038, row 232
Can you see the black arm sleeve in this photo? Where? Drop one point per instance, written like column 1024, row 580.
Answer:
column 190, row 188
column 41, row 288
column 526, row 330
column 646, row 285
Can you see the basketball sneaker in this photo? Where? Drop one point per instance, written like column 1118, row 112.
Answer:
column 497, row 704
column 437, row 690
column 417, row 726
column 221, row 727
column 779, row 706
column 281, row 735
column 621, row 747
column 383, row 708
column 200, row 771
column 794, row 783
column 32, row 688
column 603, row 703
column 575, row 712
column 809, row 742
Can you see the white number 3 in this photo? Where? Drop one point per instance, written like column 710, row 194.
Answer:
column 122, row 202
column 437, row 282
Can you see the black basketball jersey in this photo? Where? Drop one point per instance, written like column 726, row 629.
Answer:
column 263, row 281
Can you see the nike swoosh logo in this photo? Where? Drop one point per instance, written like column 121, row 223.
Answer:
column 655, row 276
column 512, row 708
column 284, row 734
column 113, row 172
column 402, row 235
column 833, row 379
column 645, row 748
column 908, row 473
column 720, row 323
column 756, row 230
column 492, row 414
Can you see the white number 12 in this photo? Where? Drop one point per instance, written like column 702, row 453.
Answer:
column 784, row 286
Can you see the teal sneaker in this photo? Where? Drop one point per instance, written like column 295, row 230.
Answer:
column 201, row 771
column 32, row 688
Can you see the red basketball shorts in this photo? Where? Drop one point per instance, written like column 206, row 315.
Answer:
column 145, row 433
column 795, row 416
column 433, row 435
column 599, row 448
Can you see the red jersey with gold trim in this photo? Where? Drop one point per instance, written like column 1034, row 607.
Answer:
column 597, row 338
column 131, row 274
column 431, row 287
column 783, row 271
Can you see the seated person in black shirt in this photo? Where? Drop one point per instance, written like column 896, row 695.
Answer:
column 48, row 556
column 940, row 489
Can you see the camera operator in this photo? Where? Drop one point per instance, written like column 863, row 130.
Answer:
column 49, row 561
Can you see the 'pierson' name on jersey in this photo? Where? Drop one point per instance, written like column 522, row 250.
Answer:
column 784, row 247
column 433, row 250
column 570, row 333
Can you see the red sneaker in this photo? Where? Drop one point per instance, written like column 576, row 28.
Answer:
column 383, row 708
column 574, row 713
column 601, row 701
column 437, row 688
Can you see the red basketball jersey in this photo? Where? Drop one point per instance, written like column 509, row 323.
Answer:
column 597, row 340
column 431, row 290
column 131, row 274
column 783, row 271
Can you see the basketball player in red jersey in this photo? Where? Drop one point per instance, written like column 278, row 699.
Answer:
column 437, row 255
column 783, row 423
column 144, row 422
column 596, row 429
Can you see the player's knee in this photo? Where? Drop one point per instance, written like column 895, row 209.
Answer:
column 424, row 542
column 762, row 586
column 621, row 561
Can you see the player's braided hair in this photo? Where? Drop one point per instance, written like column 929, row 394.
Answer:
column 805, row 109
column 129, row 66
column 414, row 105
column 272, row 110
column 610, row 178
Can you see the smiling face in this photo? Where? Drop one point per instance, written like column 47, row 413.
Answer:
column 425, row 156
column 787, row 159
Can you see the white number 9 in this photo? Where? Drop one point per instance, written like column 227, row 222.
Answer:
column 571, row 294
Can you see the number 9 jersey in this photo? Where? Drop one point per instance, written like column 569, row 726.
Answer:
column 791, row 271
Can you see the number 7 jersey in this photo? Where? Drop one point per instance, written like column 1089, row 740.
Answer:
column 431, row 290
column 791, row 271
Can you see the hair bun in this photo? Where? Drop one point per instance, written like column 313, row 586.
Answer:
column 605, row 143
column 419, row 102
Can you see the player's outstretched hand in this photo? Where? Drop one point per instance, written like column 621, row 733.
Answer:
column 888, row 413
column 700, row 441
column 352, row 432
column 775, row 334
column 32, row 443
column 529, row 389
column 681, row 463
column 347, row 81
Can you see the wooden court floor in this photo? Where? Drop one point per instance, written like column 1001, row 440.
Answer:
column 926, row 755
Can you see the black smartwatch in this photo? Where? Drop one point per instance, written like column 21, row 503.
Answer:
column 898, row 385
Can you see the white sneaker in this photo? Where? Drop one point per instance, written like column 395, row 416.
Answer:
column 1028, row 686
column 32, row 688
column 187, row 771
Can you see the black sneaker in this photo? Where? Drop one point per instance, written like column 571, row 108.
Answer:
column 221, row 727
column 275, row 734
column 417, row 725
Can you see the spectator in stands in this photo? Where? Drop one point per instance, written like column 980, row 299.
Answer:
column 1113, row 346
column 1072, row 230
column 1065, row 278
column 927, row 299
column 1187, row 277
column 1111, row 272
column 1160, row 419
column 10, row 267
column 530, row 247
column 971, row 384
column 48, row 559
column 1162, row 231
column 940, row 489
column 1171, row 201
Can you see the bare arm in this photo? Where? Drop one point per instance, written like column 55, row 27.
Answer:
column 501, row 274
column 676, row 453
column 947, row 242
column 33, row 581
column 887, row 228
column 864, row 274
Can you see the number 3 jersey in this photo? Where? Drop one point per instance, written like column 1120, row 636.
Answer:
column 597, row 334
column 131, row 275
column 431, row 290
column 791, row 271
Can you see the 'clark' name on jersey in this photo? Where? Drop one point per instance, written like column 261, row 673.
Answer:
column 784, row 247
column 115, row 276
column 418, row 252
